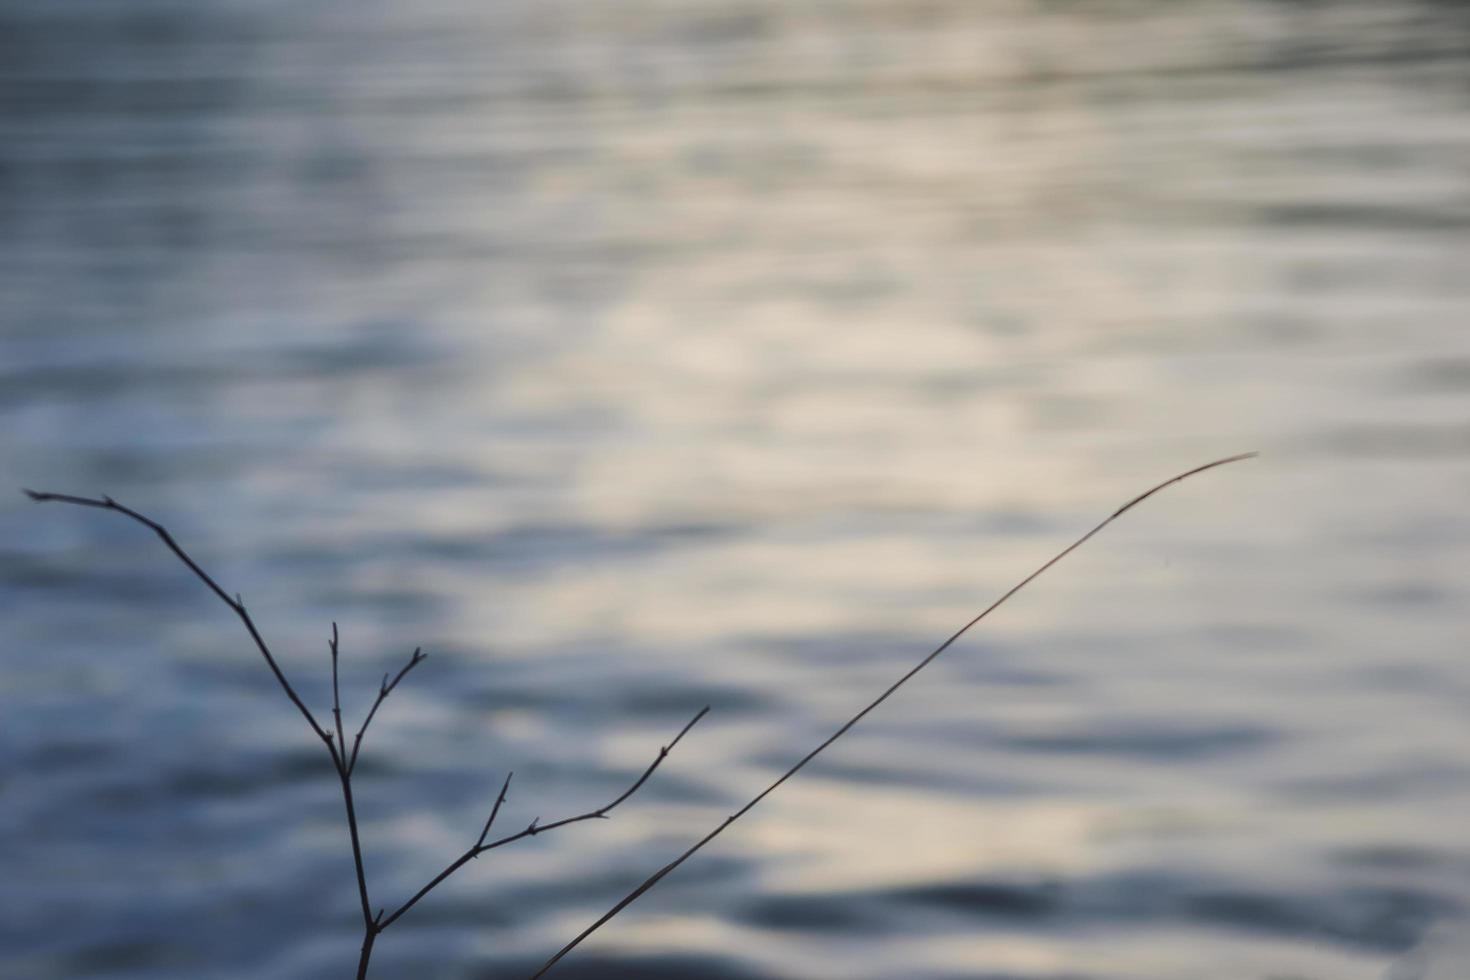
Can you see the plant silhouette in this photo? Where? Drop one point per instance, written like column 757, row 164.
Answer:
column 344, row 760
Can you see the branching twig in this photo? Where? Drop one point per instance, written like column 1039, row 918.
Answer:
column 385, row 689
column 343, row 763
column 335, row 749
column 659, row 875
column 536, row 827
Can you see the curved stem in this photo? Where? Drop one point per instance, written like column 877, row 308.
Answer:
column 660, row 874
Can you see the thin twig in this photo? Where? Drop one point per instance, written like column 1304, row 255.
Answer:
column 535, row 827
column 336, row 695
column 345, row 778
column 335, row 749
column 237, row 604
column 659, row 875
column 495, row 810
column 384, row 689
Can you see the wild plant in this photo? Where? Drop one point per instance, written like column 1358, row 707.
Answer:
column 344, row 760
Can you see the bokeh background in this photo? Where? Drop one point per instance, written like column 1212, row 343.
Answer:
column 634, row 356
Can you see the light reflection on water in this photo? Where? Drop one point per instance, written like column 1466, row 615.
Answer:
column 636, row 357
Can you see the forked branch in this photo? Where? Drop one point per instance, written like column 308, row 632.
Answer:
column 343, row 762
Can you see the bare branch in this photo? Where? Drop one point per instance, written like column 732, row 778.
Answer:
column 385, row 689
column 336, row 696
column 236, row 604
column 536, row 827
column 344, row 776
column 495, row 810
column 335, row 748
column 659, row 875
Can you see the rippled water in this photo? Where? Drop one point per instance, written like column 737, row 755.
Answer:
column 631, row 357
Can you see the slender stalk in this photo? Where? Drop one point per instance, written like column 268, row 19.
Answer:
column 336, row 694
column 661, row 873
column 345, row 778
column 369, row 937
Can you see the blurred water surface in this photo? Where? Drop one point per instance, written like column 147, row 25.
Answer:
column 636, row 356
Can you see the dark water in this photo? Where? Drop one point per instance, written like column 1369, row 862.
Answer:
column 631, row 357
